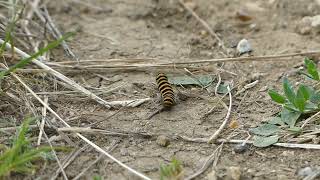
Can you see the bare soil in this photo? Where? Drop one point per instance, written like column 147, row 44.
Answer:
column 165, row 30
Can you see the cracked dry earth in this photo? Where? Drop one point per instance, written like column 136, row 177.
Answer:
column 164, row 30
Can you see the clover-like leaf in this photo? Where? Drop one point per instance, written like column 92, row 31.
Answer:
column 261, row 141
column 276, row 121
column 290, row 117
column 265, row 130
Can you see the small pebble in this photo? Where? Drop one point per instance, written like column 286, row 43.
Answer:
column 243, row 15
column 240, row 148
column 233, row 173
column 163, row 141
column 244, row 47
column 305, row 172
column 288, row 153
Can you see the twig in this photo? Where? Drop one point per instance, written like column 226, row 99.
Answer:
column 43, row 120
column 205, row 25
column 89, row 130
column 59, row 76
column 129, row 103
column 16, row 127
column 96, row 147
column 236, row 141
column 223, row 125
column 206, row 165
column 309, row 119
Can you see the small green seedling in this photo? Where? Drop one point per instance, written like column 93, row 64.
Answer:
column 304, row 100
column 19, row 157
column 172, row 171
column 312, row 70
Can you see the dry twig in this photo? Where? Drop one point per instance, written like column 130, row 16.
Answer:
column 223, row 125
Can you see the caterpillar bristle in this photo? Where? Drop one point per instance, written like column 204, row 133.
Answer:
column 166, row 90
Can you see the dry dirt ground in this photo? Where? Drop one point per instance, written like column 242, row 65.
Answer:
column 163, row 29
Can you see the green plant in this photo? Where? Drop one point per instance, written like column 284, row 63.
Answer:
column 19, row 157
column 172, row 171
column 312, row 70
column 304, row 101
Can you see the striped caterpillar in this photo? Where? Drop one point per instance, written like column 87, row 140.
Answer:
column 166, row 90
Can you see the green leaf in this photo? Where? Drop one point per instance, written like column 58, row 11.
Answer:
column 276, row 121
column 276, row 97
column 260, row 141
column 265, row 130
column 312, row 69
column 288, row 91
column 290, row 117
column 201, row 80
column 300, row 101
column 310, row 107
column 304, row 91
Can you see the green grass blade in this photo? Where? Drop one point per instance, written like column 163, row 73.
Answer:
column 26, row 61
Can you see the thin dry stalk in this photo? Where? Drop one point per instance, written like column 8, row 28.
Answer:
column 224, row 124
column 43, row 120
column 236, row 141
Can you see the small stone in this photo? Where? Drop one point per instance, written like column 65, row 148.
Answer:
column 163, row 141
column 244, row 47
column 233, row 173
column 124, row 152
column 240, row 148
column 243, row 15
column 315, row 23
column 305, row 172
column 288, row 153
column 212, row 175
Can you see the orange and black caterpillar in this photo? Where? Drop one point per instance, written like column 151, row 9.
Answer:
column 166, row 90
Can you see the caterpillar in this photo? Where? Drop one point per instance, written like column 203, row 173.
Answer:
column 166, row 90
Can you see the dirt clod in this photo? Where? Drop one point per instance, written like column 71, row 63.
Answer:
column 163, row 141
